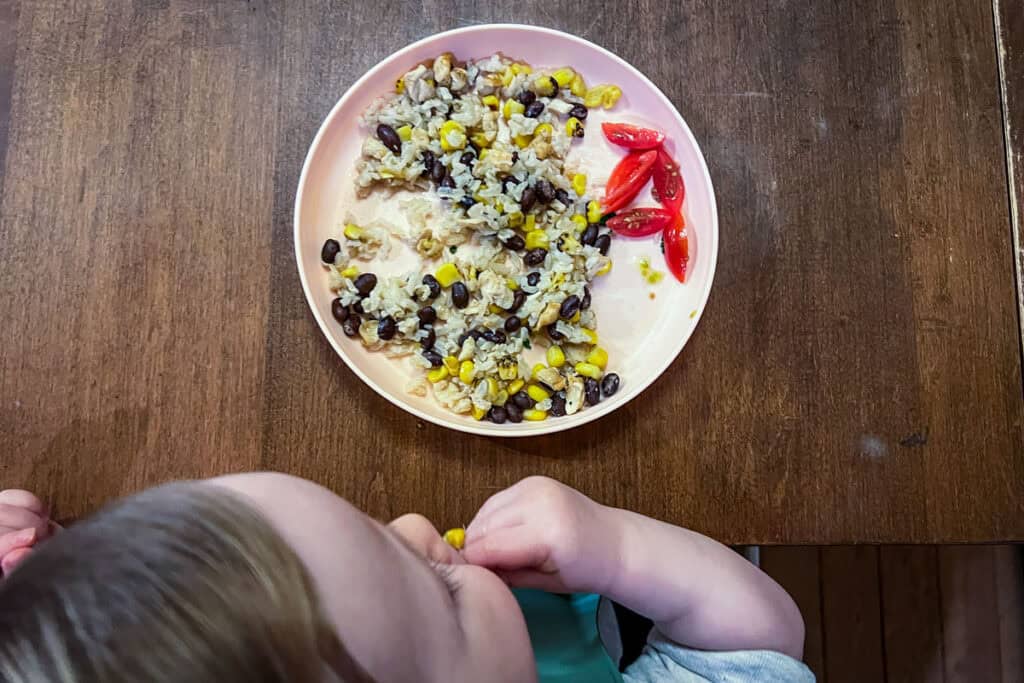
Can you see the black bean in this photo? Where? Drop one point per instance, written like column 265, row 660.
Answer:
column 545, row 191
column 553, row 332
column 428, row 341
column 467, row 158
column 523, row 400
column 507, row 182
column 435, row 287
column 389, row 137
column 339, row 310
column 467, row 201
column 557, row 404
column 351, row 325
column 498, row 415
column 592, row 391
column 533, row 278
column 512, row 324
column 330, row 251
column 358, row 307
column 554, row 85
column 535, row 257
column 589, row 235
column 365, row 283
column 428, row 159
column 526, row 97
column 603, row 243
column 438, row 171
column 386, row 328
column 515, row 243
column 434, row 358
column 427, row 315
column 447, row 181
column 476, row 334
column 528, row 199
column 494, row 336
column 579, row 111
column 534, row 109
column 518, row 299
column 460, row 295
column 515, row 413
column 569, row 307
column 585, row 301
column 562, row 196
column 462, row 339
column 515, row 157
column 610, row 384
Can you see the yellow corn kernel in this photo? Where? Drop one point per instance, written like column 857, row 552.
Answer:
column 512, row 284
column 579, row 183
column 483, row 153
column 350, row 272
column 531, row 223
column 537, row 392
column 491, row 101
column 385, row 173
column 544, row 130
column 471, row 273
column 453, row 136
column 512, row 107
column 575, row 318
column 456, row 538
column 507, row 76
column 535, row 415
column 555, row 356
column 405, row 133
column 508, row 371
column 515, row 387
column 564, row 77
column 353, row 231
column 515, row 219
column 400, row 85
column 447, row 275
column 452, row 364
column 588, row 370
column 598, row 357
column 557, row 279
column 480, row 140
column 574, row 127
column 492, row 388
column 580, row 222
column 606, row 268
column 522, row 141
column 593, row 97
column 478, row 413
column 536, row 370
column 522, row 69
column 437, row 374
column 467, row 371
column 591, row 334
column 611, row 96
column 593, row 211
column 495, row 309
column 537, row 239
column 578, row 87
column 543, row 85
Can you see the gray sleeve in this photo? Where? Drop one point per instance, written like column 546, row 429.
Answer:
column 663, row 661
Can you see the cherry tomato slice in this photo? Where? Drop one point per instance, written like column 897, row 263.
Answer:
column 632, row 137
column 627, row 179
column 677, row 249
column 640, row 222
column 669, row 188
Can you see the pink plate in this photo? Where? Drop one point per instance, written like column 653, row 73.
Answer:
column 643, row 326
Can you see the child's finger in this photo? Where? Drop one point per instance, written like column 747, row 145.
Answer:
column 507, row 549
column 499, row 500
column 12, row 559
column 528, row 578
column 509, row 515
column 13, row 540
column 23, row 499
column 423, row 537
column 13, row 517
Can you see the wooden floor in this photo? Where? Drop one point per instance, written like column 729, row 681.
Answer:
column 908, row 613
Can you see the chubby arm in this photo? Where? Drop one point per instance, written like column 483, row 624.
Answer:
column 542, row 534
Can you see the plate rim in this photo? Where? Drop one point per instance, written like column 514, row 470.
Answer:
column 481, row 428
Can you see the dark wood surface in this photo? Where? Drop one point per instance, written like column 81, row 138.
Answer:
column 856, row 376
column 907, row 614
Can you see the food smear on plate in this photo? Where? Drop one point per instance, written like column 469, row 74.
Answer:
column 510, row 242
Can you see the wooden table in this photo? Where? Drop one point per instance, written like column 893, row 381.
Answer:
column 856, row 376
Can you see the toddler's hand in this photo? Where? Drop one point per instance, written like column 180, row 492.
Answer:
column 542, row 534
column 23, row 523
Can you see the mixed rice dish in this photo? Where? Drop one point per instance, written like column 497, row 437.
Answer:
column 509, row 240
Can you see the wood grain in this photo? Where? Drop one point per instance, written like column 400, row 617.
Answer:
column 856, row 376
column 912, row 613
column 971, row 643
column 850, row 595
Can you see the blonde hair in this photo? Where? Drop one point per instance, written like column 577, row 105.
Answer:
column 184, row 582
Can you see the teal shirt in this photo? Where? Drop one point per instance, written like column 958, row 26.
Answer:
column 568, row 649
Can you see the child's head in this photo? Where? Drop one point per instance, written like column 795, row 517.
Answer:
column 255, row 578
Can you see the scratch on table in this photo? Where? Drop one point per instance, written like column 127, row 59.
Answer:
column 914, row 440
